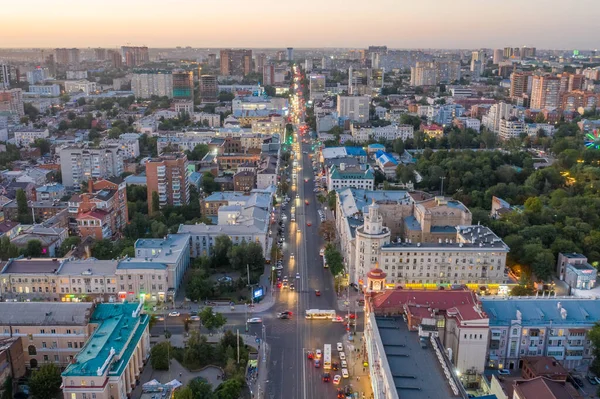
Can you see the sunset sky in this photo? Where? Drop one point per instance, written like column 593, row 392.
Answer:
column 308, row 23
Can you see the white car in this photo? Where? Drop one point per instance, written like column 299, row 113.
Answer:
column 174, row 314
column 342, row 356
column 318, row 354
column 255, row 320
column 336, row 379
column 345, row 373
column 297, row 275
column 340, row 347
column 194, row 318
column 344, row 364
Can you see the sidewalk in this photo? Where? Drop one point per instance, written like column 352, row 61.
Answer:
column 344, row 302
column 359, row 375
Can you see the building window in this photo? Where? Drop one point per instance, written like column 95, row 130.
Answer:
column 45, row 358
column 31, row 350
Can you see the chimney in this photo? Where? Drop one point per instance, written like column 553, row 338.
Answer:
column 90, row 186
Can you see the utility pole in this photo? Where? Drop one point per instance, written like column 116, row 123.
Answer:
column 238, row 345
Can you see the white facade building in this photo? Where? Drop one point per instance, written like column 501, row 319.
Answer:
column 145, row 85
column 75, row 86
column 25, row 137
column 45, row 90
column 79, row 164
column 389, row 133
column 510, row 129
column 496, row 113
column 213, row 120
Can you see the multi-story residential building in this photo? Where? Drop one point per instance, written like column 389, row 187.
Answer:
column 573, row 100
column 67, row 56
column 45, row 90
column 50, row 332
column 555, row 327
column 209, row 89
column 268, row 73
column 210, row 120
column 545, row 92
column 433, row 130
column 24, row 137
column 532, row 129
column 11, row 101
column 84, row 86
column 37, row 75
column 183, row 84
column 266, row 174
column 77, row 75
column 111, row 362
column 510, row 129
column 424, row 74
column 495, row 114
column 42, row 210
column 145, row 84
column 5, row 76
column 317, row 85
column 241, row 217
column 129, row 143
column 168, row 176
column 363, row 134
column 79, row 164
column 574, row 269
column 464, row 122
column 236, row 62
column 353, row 108
column 254, row 103
column 135, row 56
column 244, row 180
column 356, row 177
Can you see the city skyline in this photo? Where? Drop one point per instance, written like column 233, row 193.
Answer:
column 241, row 24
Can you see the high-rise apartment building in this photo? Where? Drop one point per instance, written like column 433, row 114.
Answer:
column 528, row 52
column 4, row 76
column 79, row 163
column 11, row 101
column 497, row 113
column 261, row 60
column 183, row 84
column 498, row 56
column 545, row 92
column 268, row 75
column 209, row 88
column 115, row 58
column 508, row 52
column 354, row 108
column 424, row 74
column 520, row 84
column 167, row 176
column 100, row 54
column 448, row 71
column 36, row 75
column 236, row 62
column 212, row 60
column 290, row 53
column 135, row 56
column 67, row 56
column 145, row 84
column 571, row 81
column 477, row 62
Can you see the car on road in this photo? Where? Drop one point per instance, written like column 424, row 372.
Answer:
column 337, row 319
column 174, row 314
column 318, row 353
column 342, row 356
column 340, row 347
column 285, row 284
column 317, row 293
column 195, row 318
column 160, row 318
column 337, row 379
column 345, row 373
column 322, row 251
column 317, row 363
column 292, row 287
column 309, row 224
column 254, row 320
column 292, row 255
column 279, row 267
column 305, row 202
column 310, row 355
column 283, row 316
column 341, row 394
column 335, row 366
column 344, row 364
column 297, row 275
column 591, row 379
column 326, row 377
column 504, row 372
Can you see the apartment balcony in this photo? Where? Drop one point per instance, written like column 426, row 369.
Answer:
column 575, row 347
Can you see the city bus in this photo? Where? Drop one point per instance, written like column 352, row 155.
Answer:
column 320, row 314
column 327, row 357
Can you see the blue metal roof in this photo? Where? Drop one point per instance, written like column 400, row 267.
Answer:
column 538, row 311
column 355, row 151
column 125, row 264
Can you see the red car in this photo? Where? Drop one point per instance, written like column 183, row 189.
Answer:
column 308, row 223
column 317, row 293
column 310, row 355
column 305, row 202
column 326, row 377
